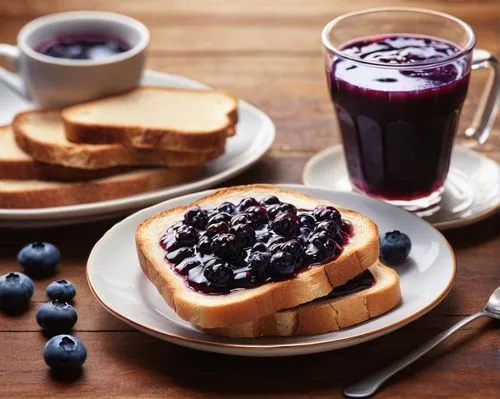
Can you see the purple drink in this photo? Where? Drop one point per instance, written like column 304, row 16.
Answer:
column 398, row 124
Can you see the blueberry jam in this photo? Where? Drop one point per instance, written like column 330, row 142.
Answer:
column 82, row 47
column 255, row 242
column 397, row 122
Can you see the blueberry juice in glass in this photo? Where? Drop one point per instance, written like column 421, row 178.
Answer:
column 398, row 99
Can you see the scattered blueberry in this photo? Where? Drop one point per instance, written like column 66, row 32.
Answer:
column 56, row 316
column 62, row 290
column 219, row 274
column 16, row 290
column 39, row 259
column 394, row 247
column 64, row 352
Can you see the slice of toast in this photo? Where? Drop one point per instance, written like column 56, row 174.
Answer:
column 155, row 117
column 43, row 194
column 15, row 164
column 326, row 314
column 41, row 134
column 211, row 311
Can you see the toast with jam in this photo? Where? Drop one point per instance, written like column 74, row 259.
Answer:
column 244, row 253
column 370, row 294
column 186, row 120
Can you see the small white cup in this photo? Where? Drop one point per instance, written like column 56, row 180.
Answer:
column 56, row 82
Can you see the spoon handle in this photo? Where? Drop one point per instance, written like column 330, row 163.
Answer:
column 369, row 385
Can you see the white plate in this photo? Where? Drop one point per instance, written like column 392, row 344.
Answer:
column 115, row 277
column 471, row 191
column 255, row 134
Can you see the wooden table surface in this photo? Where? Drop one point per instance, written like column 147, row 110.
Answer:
column 267, row 52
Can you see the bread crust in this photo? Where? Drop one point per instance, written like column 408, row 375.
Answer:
column 147, row 138
column 325, row 315
column 92, row 157
column 212, row 311
column 43, row 194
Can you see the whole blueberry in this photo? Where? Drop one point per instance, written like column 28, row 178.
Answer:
column 295, row 248
column 329, row 226
column 39, row 259
column 179, row 255
column 219, row 217
column 394, row 247
column 306, row 220
column 246, row 203
column 258, row 263
column 227, row 207
column 204, row 245
column 16, row 290
column 259, row 247
column 323, row 212
column 216, row 228
column 304, row 235
column 64, row 352
column 227, row 247
column 314, row 255
column 269, row 200
column 245, row 233
column 62, row 290
column 273, row 211
column 324, row 242
column 287, row 208
column 286, row 225
column 56, row 316
column 241, row 219
column 219, row 274
column 258, row 215
column 196, row 217
column 282, row 264
column 186, row 236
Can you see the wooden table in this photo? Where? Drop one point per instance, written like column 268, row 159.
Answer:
column 267, row 52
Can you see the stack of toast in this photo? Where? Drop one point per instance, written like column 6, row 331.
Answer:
column 142, row 140
column 267, row 261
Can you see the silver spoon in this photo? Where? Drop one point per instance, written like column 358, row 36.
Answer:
column 369, row 385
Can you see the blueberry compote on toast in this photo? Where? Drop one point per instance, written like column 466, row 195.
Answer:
column 252, row 243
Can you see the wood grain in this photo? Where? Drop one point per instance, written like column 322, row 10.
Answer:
column 267, row 52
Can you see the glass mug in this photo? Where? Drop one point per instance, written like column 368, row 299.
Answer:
column 398, row 78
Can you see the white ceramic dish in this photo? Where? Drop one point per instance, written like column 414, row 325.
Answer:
column 115, row 277
column 255, row 134
column 472, row 189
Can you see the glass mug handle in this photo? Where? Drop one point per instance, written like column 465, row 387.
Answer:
column 484, row 117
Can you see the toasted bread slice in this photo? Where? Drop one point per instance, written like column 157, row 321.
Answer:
column 41, row 134
column 326, row 314
column 15, row 164
column 43, row 194
column 211, row 311
column 155, row 117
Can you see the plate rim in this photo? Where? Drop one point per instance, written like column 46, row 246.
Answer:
column 444, row 225
column 103, row 207
column 272, row 348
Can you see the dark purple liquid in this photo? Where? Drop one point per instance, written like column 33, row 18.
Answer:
column 82, row 47
column 398, row 124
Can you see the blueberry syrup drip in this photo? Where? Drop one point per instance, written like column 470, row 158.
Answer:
column 359, row 283
column 253, row 243
column 82, row 47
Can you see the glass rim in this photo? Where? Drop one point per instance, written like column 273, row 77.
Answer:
column 325, row 37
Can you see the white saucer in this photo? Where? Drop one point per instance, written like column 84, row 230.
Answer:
column 116, row 279
column 255, row 134
column 471, row 191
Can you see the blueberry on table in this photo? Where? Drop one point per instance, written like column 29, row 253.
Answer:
column 394, row 248
column 39, row 259
column 64, row 352
column 62, row 290
column 16, row 290
column 56, row 316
